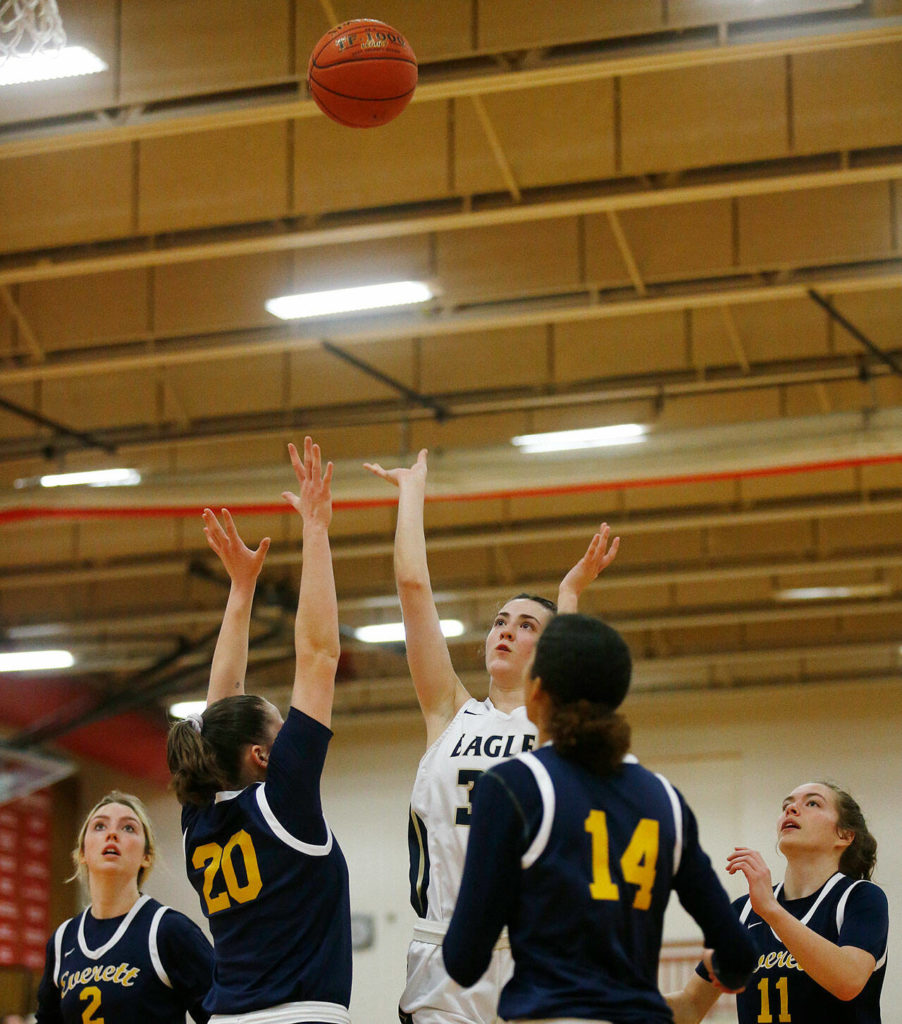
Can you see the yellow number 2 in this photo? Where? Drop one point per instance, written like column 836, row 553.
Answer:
column 638, row 863
column 211, row 857
column 87, row 1015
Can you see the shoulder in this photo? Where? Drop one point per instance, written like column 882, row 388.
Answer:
column 173, row 924
column 863, row 893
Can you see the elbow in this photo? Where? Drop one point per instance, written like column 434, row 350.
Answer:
column 847, row 991
column 461, row 968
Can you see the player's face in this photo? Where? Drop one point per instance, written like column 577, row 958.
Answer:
column 115, row 842
column 510, row 645
column 809, row 820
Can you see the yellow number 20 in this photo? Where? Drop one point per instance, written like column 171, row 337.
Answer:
column 638, row 863
column 211, row 857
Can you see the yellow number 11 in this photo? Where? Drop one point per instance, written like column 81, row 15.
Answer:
column 637, row 864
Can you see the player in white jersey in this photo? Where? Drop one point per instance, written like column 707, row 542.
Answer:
column 464, row 737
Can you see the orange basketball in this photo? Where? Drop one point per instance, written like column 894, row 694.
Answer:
column 362, row 73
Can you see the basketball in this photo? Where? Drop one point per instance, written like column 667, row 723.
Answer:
column 362, row 73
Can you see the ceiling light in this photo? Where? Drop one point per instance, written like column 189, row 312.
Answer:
column 30, row 661
column 68, row 62
column 183, row 708
column 833, row 593
column 393, row 632
column 95, row 478
column 592, row 437
column 348, row 300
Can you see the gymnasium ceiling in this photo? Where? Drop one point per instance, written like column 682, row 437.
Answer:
column 679, row 213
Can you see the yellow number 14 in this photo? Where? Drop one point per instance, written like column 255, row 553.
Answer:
column 637, row 864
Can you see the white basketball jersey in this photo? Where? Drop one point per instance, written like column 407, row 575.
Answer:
column 478, row 737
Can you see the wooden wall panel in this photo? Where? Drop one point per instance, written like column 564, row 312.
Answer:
column 819, row 226
column 203, row 179
column 695, row 117
column 848, row 98
column 64, row 198
column 548, row 136
column 711, row 410
column 189, row 46
column 605, row 267
column 338, row 168
column 702, row 12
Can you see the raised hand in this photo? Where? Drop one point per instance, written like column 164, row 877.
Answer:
column 597, row 558
column 757, row 874
column 242, row 563
column 397, row 476
column 314, row 502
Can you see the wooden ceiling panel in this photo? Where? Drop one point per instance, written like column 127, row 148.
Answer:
column 357, row 263
column 506, row 25
column 661, row 497
column 691, row 239
column 103, row 400
column 768, row 332
column 228, row 387
column 699, row 116
column 721, row 408
column 219, row 294
column 205, row 46
column 847, row 100
column 620, row 347
column 821, row 226
column 469, row 432
column 64, row 198
column 333, row 165
column 82, row 312
column 105, row 539
column 506, row 359
column 319, row 379
column 605, row 264
column 623, row 208
column 435, row 31
column 791, row 537
column 546, row 136
column 800, row 485
column 209, row 178
column 695, row 12
column 513, row 257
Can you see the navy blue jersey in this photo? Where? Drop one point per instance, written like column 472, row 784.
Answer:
column 580, row 869
column 843, row 910
column 274, row 885
column 151, row 965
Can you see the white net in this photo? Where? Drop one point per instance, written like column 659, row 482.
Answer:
column 29, row 27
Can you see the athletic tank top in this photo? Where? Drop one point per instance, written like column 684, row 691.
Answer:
column 478, row 737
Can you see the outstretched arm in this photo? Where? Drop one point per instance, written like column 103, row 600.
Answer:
column 243, row 565
column 439, row 691
column 597, row 558
column 316, row 639
column 842, row 970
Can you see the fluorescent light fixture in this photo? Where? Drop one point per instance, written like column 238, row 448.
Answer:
column 69, row 62
column 95, row 478
column 30, row 661
column 393, row 632
column 348, row 300
column 571, row 440
column 833, row 593
column 183, row 708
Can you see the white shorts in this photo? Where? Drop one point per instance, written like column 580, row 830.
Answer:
column 431, row 997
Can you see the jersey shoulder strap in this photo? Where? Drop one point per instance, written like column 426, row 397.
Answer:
column 546, row 791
